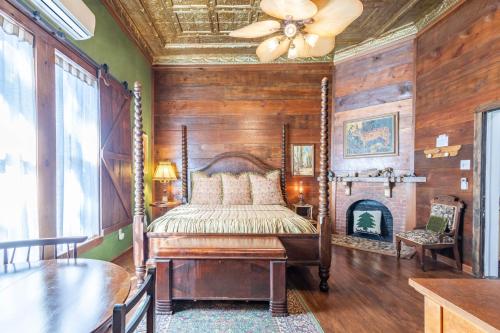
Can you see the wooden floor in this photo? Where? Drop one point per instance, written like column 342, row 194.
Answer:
column 368, row 292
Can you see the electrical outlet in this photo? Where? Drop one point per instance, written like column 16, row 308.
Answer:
column 121, row 234
column 464, row 184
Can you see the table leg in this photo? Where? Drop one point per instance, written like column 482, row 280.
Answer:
column 164, row 286
column 433, row 316
column 278, row 302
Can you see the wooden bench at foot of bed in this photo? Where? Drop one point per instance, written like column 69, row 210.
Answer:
column 301, row 249
column 220, row 268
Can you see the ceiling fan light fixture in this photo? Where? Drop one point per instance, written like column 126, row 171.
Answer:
column 290, row 30
column 292, row 52
column 305, row 31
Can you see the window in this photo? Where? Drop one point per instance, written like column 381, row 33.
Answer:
column 18, row 184
column 77, row 150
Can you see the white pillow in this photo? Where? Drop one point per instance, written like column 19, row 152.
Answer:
column 367, row 221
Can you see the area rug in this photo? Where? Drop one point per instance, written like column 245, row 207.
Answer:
column 236, row 317
column 370, row 245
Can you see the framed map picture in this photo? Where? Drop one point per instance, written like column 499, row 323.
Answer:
column 303, row 160
column 377, row 136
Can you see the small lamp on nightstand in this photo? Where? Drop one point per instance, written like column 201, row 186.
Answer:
column 165, row 173
column 301, row 194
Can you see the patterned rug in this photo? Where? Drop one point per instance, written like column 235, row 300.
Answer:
column 369, row 245
column 236, row 317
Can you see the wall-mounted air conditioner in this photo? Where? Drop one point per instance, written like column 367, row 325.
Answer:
column 72, row 16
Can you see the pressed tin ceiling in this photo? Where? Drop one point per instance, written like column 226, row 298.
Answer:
column 196, row 31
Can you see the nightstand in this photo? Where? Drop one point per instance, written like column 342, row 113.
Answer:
column 304, row 210
column 160, row 207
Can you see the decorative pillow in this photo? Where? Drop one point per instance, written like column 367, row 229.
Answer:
column 367, row 221
column 206, row 190
column 437, row 224
column 266, row 190
column 236, row 189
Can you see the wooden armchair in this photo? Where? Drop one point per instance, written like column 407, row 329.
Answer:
column 441, row 232
column 41, row 243
column 145, row 308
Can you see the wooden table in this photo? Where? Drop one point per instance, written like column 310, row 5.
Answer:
column 460, row 305
column 220, row 268
column 64, row 295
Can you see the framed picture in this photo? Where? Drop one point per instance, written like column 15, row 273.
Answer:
column 303, row 160
column 377, row 136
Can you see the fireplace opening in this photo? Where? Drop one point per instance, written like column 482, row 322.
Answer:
column 370, row 219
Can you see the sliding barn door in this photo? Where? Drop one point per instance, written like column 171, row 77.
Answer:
column 116, row 156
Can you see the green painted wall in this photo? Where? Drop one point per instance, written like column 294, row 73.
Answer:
column 110, row 45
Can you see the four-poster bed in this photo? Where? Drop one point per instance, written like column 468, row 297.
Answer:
column 301, row 248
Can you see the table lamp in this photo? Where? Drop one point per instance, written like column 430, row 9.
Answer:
column 301, row 194
column 165, row 173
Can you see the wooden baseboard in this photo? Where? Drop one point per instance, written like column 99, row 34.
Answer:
column 451, row 262
column 123, row 253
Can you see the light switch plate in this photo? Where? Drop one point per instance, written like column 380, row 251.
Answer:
column 465, row 165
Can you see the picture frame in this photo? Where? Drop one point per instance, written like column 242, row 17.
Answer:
column 371, row 137
column 302, row 160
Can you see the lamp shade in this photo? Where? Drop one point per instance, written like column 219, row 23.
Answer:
column 165, row 171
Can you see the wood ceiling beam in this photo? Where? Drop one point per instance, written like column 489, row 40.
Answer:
column 402, row 11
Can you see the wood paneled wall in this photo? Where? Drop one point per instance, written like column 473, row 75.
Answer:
column 458, row 71
column 373, row 85
column 238, row 108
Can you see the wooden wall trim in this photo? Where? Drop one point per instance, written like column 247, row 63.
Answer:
column 478, row 202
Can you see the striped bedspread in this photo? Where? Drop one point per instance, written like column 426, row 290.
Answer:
column 249, row 219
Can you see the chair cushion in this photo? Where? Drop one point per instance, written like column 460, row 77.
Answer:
column 437, row 224
column 424, row 237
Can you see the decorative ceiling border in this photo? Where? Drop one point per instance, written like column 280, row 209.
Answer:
column 399, row 34
column 230, row 59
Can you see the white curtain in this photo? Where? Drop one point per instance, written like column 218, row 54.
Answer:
column 77, row 147
column 18, row 186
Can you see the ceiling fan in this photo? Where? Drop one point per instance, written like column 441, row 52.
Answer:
column 307, row 28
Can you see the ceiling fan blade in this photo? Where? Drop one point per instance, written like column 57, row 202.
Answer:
column 297, row 9
column 257, row 29
column 334, row 17
column 272, row 48
column 322, row 47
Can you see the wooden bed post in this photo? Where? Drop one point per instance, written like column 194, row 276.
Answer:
column 139, row 245
column 283, row 160
column 184, row 165
column 325, row 246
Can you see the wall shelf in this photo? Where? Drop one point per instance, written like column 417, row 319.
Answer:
column 389, row 182
column 442, row 151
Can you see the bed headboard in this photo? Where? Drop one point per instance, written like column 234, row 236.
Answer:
column 233, row 162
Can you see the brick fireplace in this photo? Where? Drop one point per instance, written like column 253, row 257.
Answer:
column 401, row 203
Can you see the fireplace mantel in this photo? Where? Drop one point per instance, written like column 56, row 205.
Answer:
column 389, row 182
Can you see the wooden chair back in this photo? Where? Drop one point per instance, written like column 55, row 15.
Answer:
column 454, row 219
column 41, row 243
column 146, row 292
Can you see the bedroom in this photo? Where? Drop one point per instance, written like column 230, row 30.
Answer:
column 406, row 114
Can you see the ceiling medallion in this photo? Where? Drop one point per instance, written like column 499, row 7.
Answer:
column 306, row 29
